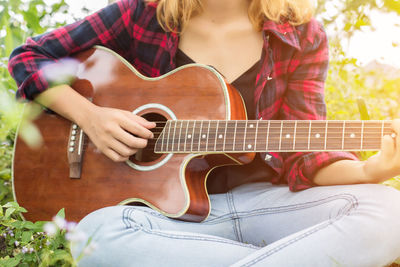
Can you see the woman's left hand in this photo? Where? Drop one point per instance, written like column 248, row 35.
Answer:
column 386, row 163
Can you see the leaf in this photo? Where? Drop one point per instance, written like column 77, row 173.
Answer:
column 61, row 213
column 26, row 237
column 5, row 174
column 17, row 224
column 9, row 262
column 39, row 226
column 28, row 225
column 14, row 206
column 9, row 211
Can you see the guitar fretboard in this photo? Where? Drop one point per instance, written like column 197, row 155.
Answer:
column 185, row 136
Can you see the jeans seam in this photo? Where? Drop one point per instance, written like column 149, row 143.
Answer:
column 126, row 219
column 354, row 204
column 350, row 198
column 234, row 216
column 180, row 236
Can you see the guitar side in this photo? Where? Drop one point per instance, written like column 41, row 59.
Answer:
column 172, row 184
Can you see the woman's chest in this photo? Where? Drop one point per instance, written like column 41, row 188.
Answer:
column 231, row 50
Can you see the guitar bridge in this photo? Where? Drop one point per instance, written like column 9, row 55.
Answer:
column 75, row 151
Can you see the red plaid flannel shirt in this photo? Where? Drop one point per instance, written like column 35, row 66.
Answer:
column 289, row 86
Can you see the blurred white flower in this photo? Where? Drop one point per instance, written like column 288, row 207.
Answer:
column 62, row 71
column 75, row 236
column 60, row 222
column 16, row 243
column 50, row 228
column 71, row 226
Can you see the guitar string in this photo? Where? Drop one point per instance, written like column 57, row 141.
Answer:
column 319, row 146
column 298, row 138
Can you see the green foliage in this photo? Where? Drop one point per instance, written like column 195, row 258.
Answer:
column 353, row 14
column 23, row 243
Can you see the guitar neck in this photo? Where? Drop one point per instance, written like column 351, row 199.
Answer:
column 238, row 136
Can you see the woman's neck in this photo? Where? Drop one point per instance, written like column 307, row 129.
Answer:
column 224, row 11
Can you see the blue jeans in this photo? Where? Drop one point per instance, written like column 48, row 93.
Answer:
column 255, row 224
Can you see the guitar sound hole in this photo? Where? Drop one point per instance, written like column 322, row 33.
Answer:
column 147, row 154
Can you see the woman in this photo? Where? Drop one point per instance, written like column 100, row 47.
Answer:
column 276, row 56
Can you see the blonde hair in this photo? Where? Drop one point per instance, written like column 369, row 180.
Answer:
column 174, row 14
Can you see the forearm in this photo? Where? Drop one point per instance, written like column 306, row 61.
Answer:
column 342, row 172
column 66, row 102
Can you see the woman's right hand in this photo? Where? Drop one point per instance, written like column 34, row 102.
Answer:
column 117, row 133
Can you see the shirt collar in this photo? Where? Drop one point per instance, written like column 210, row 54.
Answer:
column 285, row 32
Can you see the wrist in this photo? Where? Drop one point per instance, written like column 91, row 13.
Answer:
column 83, row 115
column 373, row 171
column 368, row 176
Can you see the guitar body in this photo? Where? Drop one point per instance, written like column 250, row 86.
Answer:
column 173, row 184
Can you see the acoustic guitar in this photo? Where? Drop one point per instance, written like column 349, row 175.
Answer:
column 201, row 124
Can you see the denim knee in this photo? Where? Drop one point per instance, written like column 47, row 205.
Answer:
column 379, row 208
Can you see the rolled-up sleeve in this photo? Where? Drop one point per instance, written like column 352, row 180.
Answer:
column 111, row 27
column 304, row 100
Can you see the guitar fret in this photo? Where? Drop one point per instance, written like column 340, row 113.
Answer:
column 244, row 138
column 334, row 135
column 352, row 135
column 302, row 135
column 251, row 135
column 362, row 135
column 163, row 137
column 200, row 135
column 216, row 136
column 194, row 126
column 287, row 135
column 226, row 127
column 169, row 131
column 274, row 135
column 267, row 143
column 255, row 136
column 186, row 135
column 230, row 134
column 317, row 135
column 372, row 135
column 240, row 135
column 173, row 138
column 294, row 136
column 309, row 135
column 280, row 136
column 180, row 134
column 326, row 134
column 344, row 126
column 208, row 135
column 234, row 137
